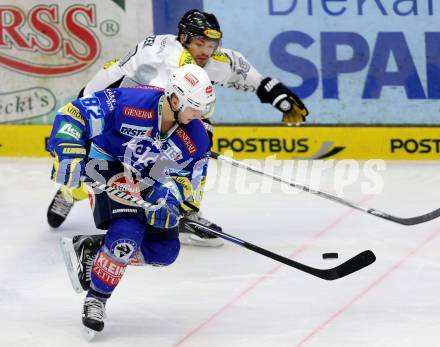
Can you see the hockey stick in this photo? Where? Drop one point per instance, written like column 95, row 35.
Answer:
column 116, row 192
column 405, row 221
column 354, row 264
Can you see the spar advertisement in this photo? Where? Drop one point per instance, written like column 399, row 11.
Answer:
column 368, row 70
column 352, row 61
column 50, row 49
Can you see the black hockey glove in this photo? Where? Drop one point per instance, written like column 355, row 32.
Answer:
column 274, row 92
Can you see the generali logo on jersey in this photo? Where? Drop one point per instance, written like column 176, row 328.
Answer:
column 187, row 141
column 47, row 41
column 138, row 113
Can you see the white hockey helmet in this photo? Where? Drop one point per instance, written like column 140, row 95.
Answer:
column 192, row 86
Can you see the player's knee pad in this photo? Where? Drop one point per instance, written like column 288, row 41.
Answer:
column 160, row 249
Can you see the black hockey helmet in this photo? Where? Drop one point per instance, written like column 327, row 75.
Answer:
column 199, row 23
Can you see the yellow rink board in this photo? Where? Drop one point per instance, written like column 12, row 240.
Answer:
column 399, row 143
column 422, row 143
column 24, row 140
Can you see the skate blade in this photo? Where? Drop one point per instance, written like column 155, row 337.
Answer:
column 189, row 239
column 71, row 263
column 89, row 334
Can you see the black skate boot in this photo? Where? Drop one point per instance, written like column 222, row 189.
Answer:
column 60, row 207
column 79, row 254
column 93, row 316
column 191, row 237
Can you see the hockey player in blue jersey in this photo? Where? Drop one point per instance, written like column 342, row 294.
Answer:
column 150, row 63
column 146, row 141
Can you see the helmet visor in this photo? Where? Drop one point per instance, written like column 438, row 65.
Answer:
column 209, row 110
column 203, row 108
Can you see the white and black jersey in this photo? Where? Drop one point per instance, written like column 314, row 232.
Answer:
column 153, row 59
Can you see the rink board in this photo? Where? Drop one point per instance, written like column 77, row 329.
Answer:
column 281, row 142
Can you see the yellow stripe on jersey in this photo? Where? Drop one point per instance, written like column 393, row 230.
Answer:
column 186, row 186
column 186, row 58
column 153, row 217
column 220, row 56
column 68, row 144
column 73, row 112
column 167, row 221
column 110, row 63
column 81, row 151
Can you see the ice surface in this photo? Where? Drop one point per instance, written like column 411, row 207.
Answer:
column 230, row 296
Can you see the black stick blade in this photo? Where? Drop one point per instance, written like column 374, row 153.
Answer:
column 354, row 264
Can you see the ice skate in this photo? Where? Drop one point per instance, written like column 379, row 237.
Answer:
column 60, row 207
column 89, row 334
column 93, row 317
column 79, row 254
column 191, row 237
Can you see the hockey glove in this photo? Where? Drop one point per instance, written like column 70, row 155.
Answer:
column 164, row 214
column 69, row 164
column 274, row 92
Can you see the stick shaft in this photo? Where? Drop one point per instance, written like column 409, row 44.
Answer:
column 372, row 211
column 354, row 264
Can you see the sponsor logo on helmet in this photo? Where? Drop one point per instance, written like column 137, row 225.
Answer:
column 191, row 79
column 212, row 34
column 187, row 141
column 208, row 90
column 139, row 113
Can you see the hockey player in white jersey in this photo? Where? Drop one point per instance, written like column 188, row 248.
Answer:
column 150, row 63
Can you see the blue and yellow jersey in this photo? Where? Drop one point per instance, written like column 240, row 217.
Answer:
column 124, row 125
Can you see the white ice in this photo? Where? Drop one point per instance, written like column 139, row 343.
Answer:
column 230, row 296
